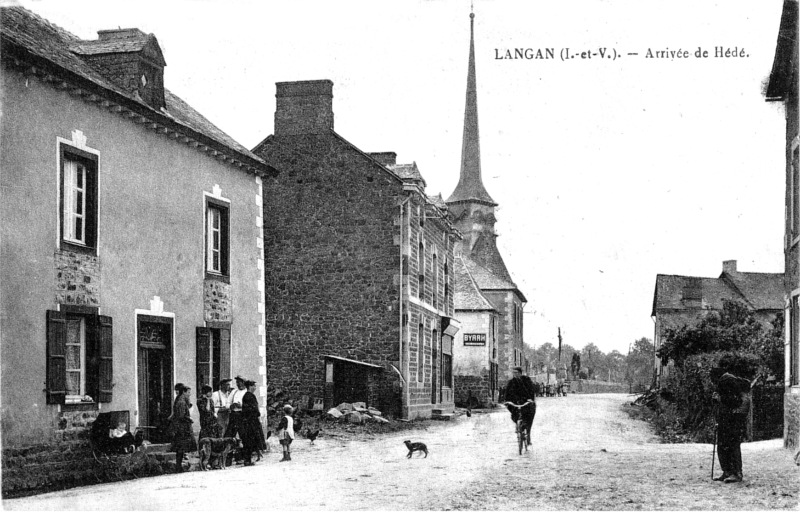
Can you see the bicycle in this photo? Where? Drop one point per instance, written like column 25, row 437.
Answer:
column 523, row 434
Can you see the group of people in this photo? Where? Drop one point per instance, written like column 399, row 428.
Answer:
column 224, row 413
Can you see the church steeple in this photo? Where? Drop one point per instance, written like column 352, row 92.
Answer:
column 470, row 186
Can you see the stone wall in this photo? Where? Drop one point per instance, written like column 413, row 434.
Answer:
column 77, row 279
column 472, row 389
column 331, row 261
column 597, row 386
column 217, row 301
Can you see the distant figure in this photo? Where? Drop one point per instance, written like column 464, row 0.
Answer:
column 520, row 391
column 250, row 427
column 208, row 422
column 183, row 438
column 286, row 432
column 733, row 396
column 221, row 400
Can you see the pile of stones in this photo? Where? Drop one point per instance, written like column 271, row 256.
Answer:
column 357, row 413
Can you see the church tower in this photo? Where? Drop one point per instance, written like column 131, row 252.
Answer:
column 471, row 206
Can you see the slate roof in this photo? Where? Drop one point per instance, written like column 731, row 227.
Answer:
column 407, row 172
column 468, row 296
column 437, row 201
column 488, row 280
column 761, row 291
column 24, row 29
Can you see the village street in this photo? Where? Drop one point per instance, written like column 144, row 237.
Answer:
column 587, row 454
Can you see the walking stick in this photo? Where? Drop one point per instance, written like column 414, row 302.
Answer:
column 714, row 451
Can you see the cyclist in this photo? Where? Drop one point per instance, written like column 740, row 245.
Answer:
column 519, row 391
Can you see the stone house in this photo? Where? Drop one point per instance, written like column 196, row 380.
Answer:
column 685, row 300
column 782, row 86
column 131, row 242
column 472, row 211
column 475, row 368
column 359, row 281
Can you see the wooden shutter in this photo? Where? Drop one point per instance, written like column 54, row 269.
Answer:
column 203, row 357
column 224, row 354
column 56, row 379
column 105, row 346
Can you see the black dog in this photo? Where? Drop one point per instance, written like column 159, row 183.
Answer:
column 218, row 448
column 414, row 447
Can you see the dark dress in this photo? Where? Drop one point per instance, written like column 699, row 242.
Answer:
column 209, row 427
column 182, row 436
column 250, row 428
column 518, row 392
column 732, row 421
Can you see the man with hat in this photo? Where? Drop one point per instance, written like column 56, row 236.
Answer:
column 221, row 400
column 235, row 406
column 733, row 397
column 520, row 391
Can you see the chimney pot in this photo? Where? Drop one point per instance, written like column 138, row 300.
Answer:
column 304, row 107
column 729, row 266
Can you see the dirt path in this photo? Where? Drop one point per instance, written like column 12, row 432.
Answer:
column 587, row 454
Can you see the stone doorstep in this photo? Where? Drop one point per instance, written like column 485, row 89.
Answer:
column 442, row 417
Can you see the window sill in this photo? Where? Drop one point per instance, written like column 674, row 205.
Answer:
column 210, row 276
column 66, row 245
column 80, row 406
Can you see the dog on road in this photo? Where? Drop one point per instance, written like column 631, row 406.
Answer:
column 218, row 449
column 416, row 447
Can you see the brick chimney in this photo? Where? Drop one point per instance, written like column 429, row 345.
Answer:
column 303, row 107
column 385, row 158
column 729, row 266
column 130, row 59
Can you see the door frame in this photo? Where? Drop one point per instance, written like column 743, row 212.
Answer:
column 151, row 312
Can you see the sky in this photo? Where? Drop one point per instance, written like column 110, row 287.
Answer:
column 607, row 171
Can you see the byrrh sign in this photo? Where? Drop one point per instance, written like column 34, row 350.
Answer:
column 475, row 339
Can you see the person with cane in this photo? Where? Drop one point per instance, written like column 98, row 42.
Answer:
column 732, row 399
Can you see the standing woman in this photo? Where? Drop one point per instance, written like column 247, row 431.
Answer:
column 182, row 437
column 208, row 418
column 250, row 429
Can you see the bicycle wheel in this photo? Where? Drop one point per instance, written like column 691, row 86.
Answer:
column 520, row 436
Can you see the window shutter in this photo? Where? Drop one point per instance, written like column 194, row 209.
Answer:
column 225, row 247
column 56, row 384
column 203, row 356
column 224, row 354
column 105, row 344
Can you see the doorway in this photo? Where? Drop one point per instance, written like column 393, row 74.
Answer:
column 154, row 348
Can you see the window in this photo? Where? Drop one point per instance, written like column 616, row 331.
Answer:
column 435, row 266
column 421, row 353
column 421, row 270
column 75, row 358
column 446, row 285
column 421, row 215
column 78, row 209
column 79, row 357
column 213, row 356
column 795, row 220
column 217, row 242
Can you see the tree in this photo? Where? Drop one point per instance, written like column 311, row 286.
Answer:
column 639, row 364
column 590, row 358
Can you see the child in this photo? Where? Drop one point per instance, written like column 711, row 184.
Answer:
column 286, row 432
column 120, row 440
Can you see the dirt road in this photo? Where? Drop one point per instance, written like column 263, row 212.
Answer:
column 587, row 454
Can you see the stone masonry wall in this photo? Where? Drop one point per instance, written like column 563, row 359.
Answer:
column 77, row 279
column 217, row 301
column 475, row 386
column 331, row 262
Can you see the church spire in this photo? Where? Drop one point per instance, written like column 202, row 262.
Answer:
column 470, row 186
